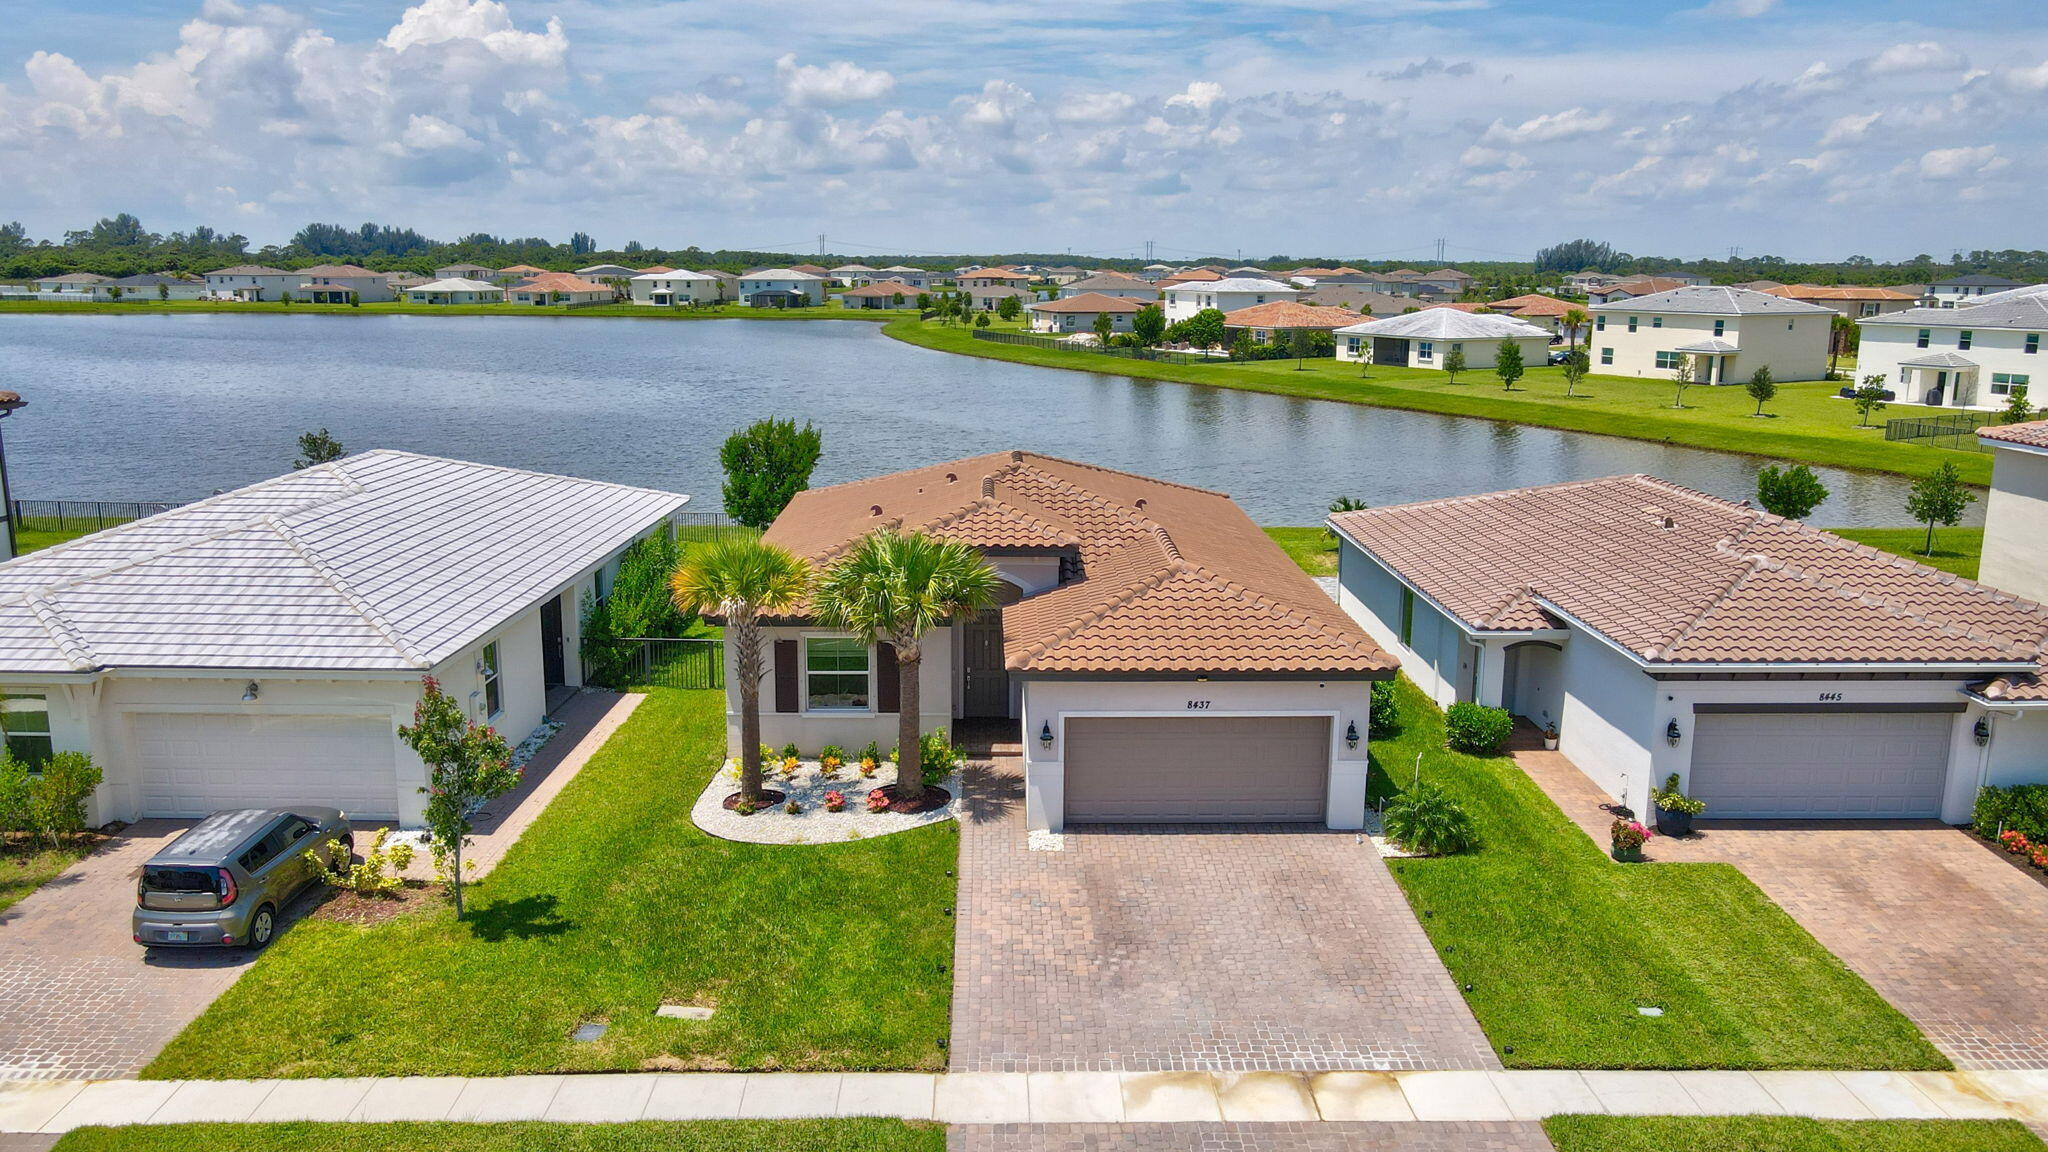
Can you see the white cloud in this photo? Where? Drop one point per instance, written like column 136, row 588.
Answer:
column 1549, row 127
column 998, row 106
column 1095, row 107
column 2033, row 79
column 1923, row 56
column 1956, row 163
column 840, row 82
column 1741, row 9
column 1848, row 128
column 1199, row 95
column 485, row 23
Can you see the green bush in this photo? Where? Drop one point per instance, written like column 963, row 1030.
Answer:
column 1429, row 821
column 936, row 757
column 56, row 797
column 1671, row 799
column 1475, row 728
column 15, row 785
column 2022, row 806
column 1385, row 717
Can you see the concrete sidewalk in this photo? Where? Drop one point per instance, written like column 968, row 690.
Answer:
column 1036, row 1097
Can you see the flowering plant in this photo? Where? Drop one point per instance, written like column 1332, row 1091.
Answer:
column 2040, row 857
column 2015, row 841
column 835, row 801
column 877, row 802
column 1629, row 834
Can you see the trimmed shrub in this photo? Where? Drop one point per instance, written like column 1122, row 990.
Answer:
column 1477, row 729
column 1427, row 820
column 56, row 798
column 2023, row 807
column 1385, row 718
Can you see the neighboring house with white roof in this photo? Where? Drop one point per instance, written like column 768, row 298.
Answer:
column 1226, row 295
column 1779, row 671
column 782, row 288
column 1423, row 339
column 261, row 648
column 456, row 290
column 672, row 288
column 1968, row 357
column 1962, row 291
column 608, row 272
column 1725, row 333
column 465, row 272
column 84, row 284
column 2019, row 293
column 332, row 283
column 1111, row 284
column 849, row 275
column 920, row 278
column 251, row 282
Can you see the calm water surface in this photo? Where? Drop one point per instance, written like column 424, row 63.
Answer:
column 175, row 407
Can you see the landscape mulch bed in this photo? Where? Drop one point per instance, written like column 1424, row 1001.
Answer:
column 356, row 908
column 933, row 798
column 769, row 799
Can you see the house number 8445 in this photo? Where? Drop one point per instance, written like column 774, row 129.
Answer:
column 1830, row 697
column 1198, row 704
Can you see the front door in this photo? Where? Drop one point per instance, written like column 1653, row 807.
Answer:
column 985, row 687
column 552, row 658
column 1939, row 390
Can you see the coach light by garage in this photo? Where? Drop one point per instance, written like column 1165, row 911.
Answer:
column 1982, row 730
column 1351, row 734
column 1045, row 734
column 1671, row 733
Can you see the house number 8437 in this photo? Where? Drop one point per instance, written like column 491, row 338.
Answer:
column 1198, row 704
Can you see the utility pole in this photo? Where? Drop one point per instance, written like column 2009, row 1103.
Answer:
column 821, row 243
column 1439, row 251
column 1148, row 251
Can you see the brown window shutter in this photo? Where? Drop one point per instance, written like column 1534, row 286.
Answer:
column 787, row 676
column 886, row 686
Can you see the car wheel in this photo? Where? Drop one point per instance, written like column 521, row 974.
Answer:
column 262, row 926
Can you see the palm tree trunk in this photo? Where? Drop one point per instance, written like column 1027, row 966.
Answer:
column 909, row 761
column 747, row 635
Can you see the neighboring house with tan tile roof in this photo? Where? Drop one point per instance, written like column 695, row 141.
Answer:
column 1426, row 338
column 1361, row 300
column 1112, row 284
column 1633, row 286
column 1078, row 313
column 880, row 294
column 1538, row 309
column 1967, row 357
column 515, row 273
column 1779, row 671
column 559, row 288
column 1273, row 321
column 1724, row 334
column 1857, row 302
column 994, row 278
column 1160, row 657
column 2016, row 514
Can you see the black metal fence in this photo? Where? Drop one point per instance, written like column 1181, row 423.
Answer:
column 626, row 663
column 83, row 515
column 1031, row 340
column 1948, row 430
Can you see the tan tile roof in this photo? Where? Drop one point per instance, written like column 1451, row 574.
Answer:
column 995, row 274
column 558, row 282
column 337, row 270
column 811, row 269
column 522, row 270
column 1533, row 304
column 1638, row 286
column 653, row 268
column 1843, row 292
column 1192, row 276
column 1722, row 583
column 1091, row 302
column 1172, row 579
column 1283, row 314
column 1468, row 306
column 881, row 288
column 2032, row 434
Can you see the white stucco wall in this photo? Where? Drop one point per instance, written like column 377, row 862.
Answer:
column 1608, row 716
column 2016, row 524
column 1052, row 702
column 2018, row 752
column 641, row 291
column 1184, row 300
column 811, row 731
column 1995, row 351
column 1795, row 347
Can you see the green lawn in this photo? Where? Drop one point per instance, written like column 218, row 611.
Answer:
column 1956, row 550
column 823, row 957
column 24, row 869
column 28, row 540
column 1561, row 945
column 1784, row 1134
column 1312, row 548
column 866, row 1135
column 1805, row 423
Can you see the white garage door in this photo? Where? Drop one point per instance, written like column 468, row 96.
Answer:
column 1821, row 765
column 1181, row 769
column 196, row 763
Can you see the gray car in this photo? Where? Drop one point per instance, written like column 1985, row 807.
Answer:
column 224, row 882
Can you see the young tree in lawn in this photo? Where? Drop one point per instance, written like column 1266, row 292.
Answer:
column 1681, row 379
column 1575, row 321
column 1842, row 333
column 1507, row 364
column 468, row 766
column 1301, row 342
column 1454, row 363
column 1761, row 387
column 2018, row 409
column 1103, row 327
column 1244, row 347
column 1575, row 368
column 924, row 301
column 742, row 579
column 355, row 300
column 1010, row 307
column 1205, row 328
column 891, row 589
column 1792, row 492
column 317, row 448
column 1149, row 324
column 766, row 465
column 1869, row 398
column 1939, row 498
column 981, row 319
column 897, row 299
column 163, row 292
column 114, row 293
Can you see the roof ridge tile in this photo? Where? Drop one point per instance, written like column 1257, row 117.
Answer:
column 71, row 643
column 341, row 587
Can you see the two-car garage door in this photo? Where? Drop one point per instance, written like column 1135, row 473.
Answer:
column 1821, row 765
column 197, row 763
column 1196, row 769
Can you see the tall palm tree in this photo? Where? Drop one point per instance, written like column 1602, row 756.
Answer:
column 892, row 589
column 742, row 580
column 1574, row 319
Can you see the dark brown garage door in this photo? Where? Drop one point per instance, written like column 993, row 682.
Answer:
column 1187, row 769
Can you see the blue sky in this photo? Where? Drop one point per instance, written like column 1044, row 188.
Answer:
column 1809, row 128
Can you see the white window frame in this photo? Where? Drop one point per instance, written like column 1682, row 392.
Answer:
column 1607, row 356
column 494, row 681
column 1425, row 349
column 48, row 746
column 803, row 656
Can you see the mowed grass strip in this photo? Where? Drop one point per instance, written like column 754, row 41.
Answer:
column 1314, row 549
column 1561, row 945
column 1784, row 1134
column 825, row 957
column 863, row 1135
column 1807, row 423
column 1956, row 550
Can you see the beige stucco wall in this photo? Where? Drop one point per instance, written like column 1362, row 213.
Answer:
column 1794, row 347
column 810, row 731
column 2016, row 525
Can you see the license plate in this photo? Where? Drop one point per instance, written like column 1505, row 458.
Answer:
column 174, row 937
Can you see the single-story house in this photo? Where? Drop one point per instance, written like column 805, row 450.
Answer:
column 1449, row 281
column 1111, row 284
column 607, row 272
column 466, row 272
column 1854, row 301
column 1779, row 671
column 782, row 288
column 1725, row 333
column 676, row 286
column 1961, row 291
column 251, row 282
column 1065, row 274
column 1967, row 357
column 1274, row 321
column 989, row 299
column 850, row 275
column 1155, row 272
column 1078, row 313
column 156, row 286
column 1538, row 309
column 882, row 294
column 1158, row 656
column 401, row 281
column 516, row 273
column 1423, row 339
column 456, row 290
column 1226, row 295
column 559, row 288
column 332, row 283
column 261, row 648
column 73, row 283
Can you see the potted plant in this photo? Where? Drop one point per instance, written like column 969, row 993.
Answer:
column 1627, row 838
column 1675, row 810
column 1550, row 736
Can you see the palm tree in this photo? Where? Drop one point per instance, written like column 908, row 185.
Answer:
column 892, row 589
column 1574, row 319
column 743, row 580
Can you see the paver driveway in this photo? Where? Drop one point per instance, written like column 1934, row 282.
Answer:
column 77, row 997
column 1161, row 948
column 1955, row 937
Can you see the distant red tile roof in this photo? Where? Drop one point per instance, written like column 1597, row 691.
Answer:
column 1171, row 579
column 886, row 288
column 1466, row 307
column 1191, row 276
column 558, row 282
column 1287, row 314
column 1812, row 292
column 522, row 270
column 1533, row 304
column 995, row 274
column 1638, row 286
column 2032, row 434
column 1090, row 302
column 655, row 268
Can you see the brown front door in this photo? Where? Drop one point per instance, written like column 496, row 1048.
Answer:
column 985, row 683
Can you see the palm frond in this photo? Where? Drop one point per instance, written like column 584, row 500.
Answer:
column 741, row 576
column 890, row 586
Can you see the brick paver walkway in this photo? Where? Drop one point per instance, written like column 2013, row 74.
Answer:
column 78, row 998
column 1217, row 947
column 1473, row 1136
column 1942, row 927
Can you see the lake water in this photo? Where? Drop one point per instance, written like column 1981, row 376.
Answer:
column 173, row 407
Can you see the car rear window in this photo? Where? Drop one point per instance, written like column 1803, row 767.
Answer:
column 160, row 879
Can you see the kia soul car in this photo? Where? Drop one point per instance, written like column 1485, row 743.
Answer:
column 227, row 879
